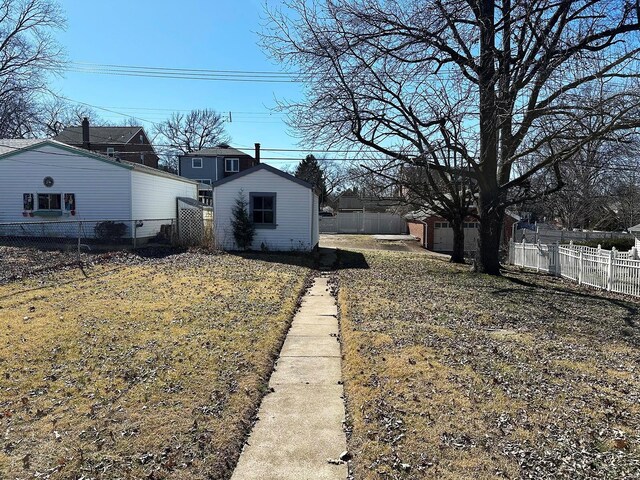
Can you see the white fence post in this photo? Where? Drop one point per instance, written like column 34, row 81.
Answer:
column 580, row 267
column 539, row 252
column 610, row 271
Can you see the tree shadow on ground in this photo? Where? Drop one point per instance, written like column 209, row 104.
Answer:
column 154, row 251
column 536, row 295
column 345, row 259
column 348, row 259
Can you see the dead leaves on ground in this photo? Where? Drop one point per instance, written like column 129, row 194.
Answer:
column 149, row 368
column 457, row 375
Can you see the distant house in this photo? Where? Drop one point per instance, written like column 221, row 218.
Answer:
column 435, row 233
column 47, row 183
column 209, row 165
column 125, row 143
column 283, row 208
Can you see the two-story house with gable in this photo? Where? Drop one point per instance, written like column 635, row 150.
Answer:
column 212, row 164
column 123, row 143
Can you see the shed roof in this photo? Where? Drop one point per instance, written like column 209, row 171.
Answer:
column 10, row 147
column 268, row 168
column 424, row 213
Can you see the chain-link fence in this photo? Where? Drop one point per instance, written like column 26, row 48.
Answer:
column 27, row 247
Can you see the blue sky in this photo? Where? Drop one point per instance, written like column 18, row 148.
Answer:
column 219, row 35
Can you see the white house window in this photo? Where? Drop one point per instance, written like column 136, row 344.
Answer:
column 111, row 151
column 49, row 201
column 196, row 163
column 232, row 165
column 263, row 209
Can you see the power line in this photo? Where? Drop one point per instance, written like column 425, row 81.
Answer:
column 204, row 77
column 195, row 70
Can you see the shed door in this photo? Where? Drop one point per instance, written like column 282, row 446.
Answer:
column 442, row 237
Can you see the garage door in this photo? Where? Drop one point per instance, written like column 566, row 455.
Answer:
column 442, row 237
column 471, row 236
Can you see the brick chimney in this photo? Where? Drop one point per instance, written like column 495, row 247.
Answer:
column 257, row 155
column 85, row 134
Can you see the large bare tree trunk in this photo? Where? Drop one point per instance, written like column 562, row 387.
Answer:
column 491, row 225
column 488, row 260
column 457, row 255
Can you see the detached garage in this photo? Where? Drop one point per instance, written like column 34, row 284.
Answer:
column 283, row 208
column 48, row 183
column 435, row 233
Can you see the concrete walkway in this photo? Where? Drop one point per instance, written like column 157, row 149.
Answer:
column 299, row 424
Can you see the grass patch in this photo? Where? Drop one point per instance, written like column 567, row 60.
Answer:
column 145, row 370
column 450, row 375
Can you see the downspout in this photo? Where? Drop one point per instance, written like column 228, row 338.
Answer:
column 312, row 216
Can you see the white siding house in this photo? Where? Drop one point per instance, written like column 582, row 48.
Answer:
column 47, row 181
column 284, row 209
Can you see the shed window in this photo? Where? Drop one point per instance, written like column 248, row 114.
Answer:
column 196, row 163
column 232, row 165
column 111, row 151
column 49, row 201
column 263, row 209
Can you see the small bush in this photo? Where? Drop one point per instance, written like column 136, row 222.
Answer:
column 243, row 228
column 622, row 244
column 109, row 230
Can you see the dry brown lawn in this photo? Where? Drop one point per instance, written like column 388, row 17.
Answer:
column 452, row 375
column 145, row 370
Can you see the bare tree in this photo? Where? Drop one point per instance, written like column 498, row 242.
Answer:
column 18, row 116
column 186, row 133
column 625, row 200
column 446, row 192
column 514, row 74
column 590, row 178
column 27, row 53
column 57, row 113
column 335, row 175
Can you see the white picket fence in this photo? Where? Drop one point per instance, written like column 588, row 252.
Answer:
column 609, row 270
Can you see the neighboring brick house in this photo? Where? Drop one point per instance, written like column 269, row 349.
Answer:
column 435, row 233
column 124, row 143
column 212, row 164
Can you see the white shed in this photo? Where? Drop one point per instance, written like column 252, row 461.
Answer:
column 283, row 208
column 48, row 181
column 635, row 231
